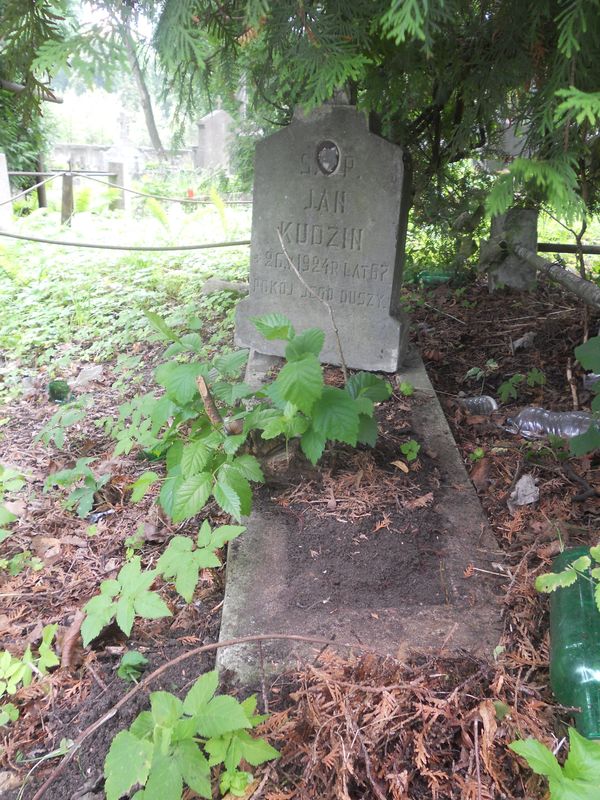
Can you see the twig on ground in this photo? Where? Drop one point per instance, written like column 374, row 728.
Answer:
column 321, row 300
column 205, row 648
column 477, row 764
column 572, row 384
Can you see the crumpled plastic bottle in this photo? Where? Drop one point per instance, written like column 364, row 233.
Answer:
column 537, row 423
column 483, row 404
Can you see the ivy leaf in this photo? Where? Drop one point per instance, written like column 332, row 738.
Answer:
column 190, row 496
column 301, row 382
column 538, row 756
column 274, row 326
column 221, row 715
column 141, row 486
column 127, row 763
column 335, row 416
column 365, row 384
column 310, row 341
column 179, row 380
column 201, row 693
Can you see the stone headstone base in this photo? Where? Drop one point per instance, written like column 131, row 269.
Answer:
column 451, row 612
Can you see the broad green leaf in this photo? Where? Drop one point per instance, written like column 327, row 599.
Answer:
column 588, row 354
column 230, row 393
column 201, row 692
column 597, row 595
column 125, row 614
column 224, row 534
column 99, row 611
column 255, row 751
column 127, row 763
column 301, row 382
column 179, row 380
column 164, row 781
column 335, row 416
column 174, row 455
column 230, row 364
column 151, row 606
column 166, row 708
column 312, row 444
column 310, row 341
column 367, row 430
column 143, row 725
column 194, row 768
column 583, row 761
column 581, row 564
column 538, row 756
column 168, row 493
column 194, row 457
column 595, row 553
column 233, row 493
column 550, row 581
column 232, row 444
column 221, row 715
column 6, row 516
column 191, row 496
column 585, row 442
column 274, row 326
column 141, row 486
column 160, row 326
column 178, row 562
column 365, row 384
column 204, row 534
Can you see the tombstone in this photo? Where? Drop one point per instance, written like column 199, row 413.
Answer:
column 518, row 226
column 6, row 213
column 214, row 134
column 339, row 196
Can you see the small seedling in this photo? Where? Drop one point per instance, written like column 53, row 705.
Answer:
column 410, row 450
column 82, row 497
column 477, row 454
column 132, row 665
column 406, row 389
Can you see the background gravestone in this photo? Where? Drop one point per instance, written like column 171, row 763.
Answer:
column 338, row 195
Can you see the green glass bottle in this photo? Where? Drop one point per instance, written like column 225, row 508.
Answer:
column 575, row 647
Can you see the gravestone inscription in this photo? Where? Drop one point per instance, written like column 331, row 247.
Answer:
column 333, row 199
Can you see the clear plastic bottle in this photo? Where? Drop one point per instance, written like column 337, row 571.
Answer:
column 536, row 423
column 575, row 647
column 483, row 404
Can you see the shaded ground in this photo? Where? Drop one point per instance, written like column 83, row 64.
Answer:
column 360, row 729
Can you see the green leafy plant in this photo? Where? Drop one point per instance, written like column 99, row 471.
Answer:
column 578, row 779
column 132, row 665
column 121, row 599
column 17, row 672
column 406, row 389
column 10, row 481
column 580, row 568
column 82, row 497
column 177, row 743
column 535, row 377
column 217, row 457
column 66, row 417
column 410, row 450
column 508, row 389
column 18, row 562
column 477, row 454
column 588, row 355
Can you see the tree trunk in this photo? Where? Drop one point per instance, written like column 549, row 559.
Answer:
column 586, row 290
column 143, row 91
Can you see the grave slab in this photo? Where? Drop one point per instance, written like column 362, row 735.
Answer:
column 338, row 196
column 276, row 585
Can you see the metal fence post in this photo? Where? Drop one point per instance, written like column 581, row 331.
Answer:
column 6, row 214
column 67, row 208
column 119, row 177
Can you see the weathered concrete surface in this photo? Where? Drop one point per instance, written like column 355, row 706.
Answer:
column 259, row 563
column 338, row 195
column 518, row 226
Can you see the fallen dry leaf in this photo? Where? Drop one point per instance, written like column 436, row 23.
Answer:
column 480, row 474
column 401, row 465
column 419, row 502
